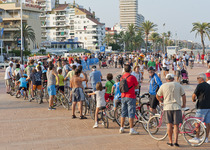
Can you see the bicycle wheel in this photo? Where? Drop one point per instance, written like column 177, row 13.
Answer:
column 144, row 106
column 92, row 109
column 190, row 128
column 110, row 110
column 117, row 117
column 65, row 102
column 193, row 110
column 84, row 108
column 105, row 120
column 157, row 128
column 45, row 95
column 13, row 90
column 189, row 114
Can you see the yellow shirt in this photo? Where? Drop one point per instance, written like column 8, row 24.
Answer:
column 61, row 80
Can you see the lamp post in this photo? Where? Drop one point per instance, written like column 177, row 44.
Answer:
column 21, row 30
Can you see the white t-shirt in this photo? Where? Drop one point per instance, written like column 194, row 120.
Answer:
column 164, row 63
column 22, row 67
column 175, row 66
column 138, row 76
column 208, row 81
column 141, row 68
column 100, row 100
column 187, row 56
column 7, row 72
column 115, row 58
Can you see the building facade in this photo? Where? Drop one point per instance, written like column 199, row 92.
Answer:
column 129, row 13
column 12, row 22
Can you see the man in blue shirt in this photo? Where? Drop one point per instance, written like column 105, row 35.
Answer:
column 95, row 77
column 154, row 85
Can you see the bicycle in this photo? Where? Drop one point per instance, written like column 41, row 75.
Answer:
column 103, row 117
column 188, row 128
column 141, row 115
column 45, row 91
column 60, row 99
column 13, row 87
column 38, row 96
column 22, row 93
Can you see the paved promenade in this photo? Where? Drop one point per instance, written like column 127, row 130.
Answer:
column 30, row 126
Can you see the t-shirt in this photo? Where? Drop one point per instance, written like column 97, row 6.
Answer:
column 208, row 57
column 203, row 95
column 208, row 81
column 171, row 92
column 61, row 80
column 132, row 83
column 83, row 82
column 141, row 68
column 36, row 78
column 108, row 86
column 8, row 72
column 64, row 73
column 117, row 90
column 23, row 82
column 95, row 76
column 138, row 76
column 180, row 65
column 202, row 56
column 151, row 64
column 164, row 63
column 100, row 100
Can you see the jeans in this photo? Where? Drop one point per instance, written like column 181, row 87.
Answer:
column 128, row 107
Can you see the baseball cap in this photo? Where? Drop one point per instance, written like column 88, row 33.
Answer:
column 169, row 76
column 208, row 73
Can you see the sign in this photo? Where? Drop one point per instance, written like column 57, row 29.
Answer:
column 19, row 42
column 102, row 49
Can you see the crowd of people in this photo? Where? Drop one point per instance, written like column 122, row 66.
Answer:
column 69, row 72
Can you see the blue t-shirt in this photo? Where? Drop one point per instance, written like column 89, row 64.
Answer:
column 95, row 77
column 23, row 82
column 117, row 90
column 155, row 82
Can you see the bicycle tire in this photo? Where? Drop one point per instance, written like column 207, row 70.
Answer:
column 13, row 90
column 110, row 110
column 105, row 120
column 194, row 110
column 117, row 117
column 84, row 108
column 185, row 128
column 92, row 109
column 160, row 130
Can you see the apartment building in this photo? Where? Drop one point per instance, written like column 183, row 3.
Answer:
column 71, row 21
column 129, row 13
column 12, row 19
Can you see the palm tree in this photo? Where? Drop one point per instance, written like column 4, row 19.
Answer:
column 138, row 40
column 154, row 37
column 147, row 27
column 164, row 35
column 107, row 39
column 28, row 34
column 202, row 29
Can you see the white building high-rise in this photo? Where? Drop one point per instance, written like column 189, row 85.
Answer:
column 129, row 13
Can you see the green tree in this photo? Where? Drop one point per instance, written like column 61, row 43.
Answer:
column 108, row 39
column 154, row 38
column 147, row 27
column 202, row 29
column 138, row 41
column 28, row 34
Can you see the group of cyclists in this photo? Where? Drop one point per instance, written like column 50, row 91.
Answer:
column 68, row 79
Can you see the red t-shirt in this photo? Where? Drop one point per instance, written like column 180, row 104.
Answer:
column 70, row 59
column 131, row 81
column 202, row 56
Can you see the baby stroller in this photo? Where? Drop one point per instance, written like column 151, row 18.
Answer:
column 184, row 77
column 104, row 64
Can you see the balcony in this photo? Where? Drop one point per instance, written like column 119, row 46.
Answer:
column 8, row 38
column 61, row 25
column 11, row 27
column 13, row 17
column 43, row 5
column 61, row 20
column 60, row 14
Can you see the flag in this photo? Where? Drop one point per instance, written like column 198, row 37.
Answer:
column 164, row 24
column 2, row 31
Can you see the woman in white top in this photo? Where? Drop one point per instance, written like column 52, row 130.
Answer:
column 138, row 76
column 141, row 68
column 100, row 101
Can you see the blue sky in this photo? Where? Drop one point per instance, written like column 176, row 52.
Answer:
column 178, row 15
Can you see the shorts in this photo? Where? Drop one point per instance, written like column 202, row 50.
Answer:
column 153, row 101
column 24, row 88
column 107, row 97
column 51, row 90
column 204, row 114
column 116, row 101
column 165, row 69
column 208, row 61
column 81, row 96
column 8, row 82
column 61, row 88
column 173, row 116
column 38, row 87
column 178, row 73
column 128, row 107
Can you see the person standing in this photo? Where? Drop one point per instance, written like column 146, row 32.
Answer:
column 51, row 82
column 180, row 67
column 77, row 92
column 154, row 85
column 165, row 66
column 138, row 76
column 202, row 58
column 8, row 77
column 172, row 93
column 95, row 77
column 203, row 104
column 128, row 100
column 115, row 60
column 151, row 63
column 208, row 60
column 187, row 59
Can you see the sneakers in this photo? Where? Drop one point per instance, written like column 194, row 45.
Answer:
column 51, row 108
column 121, row 130
column 95, row 126
column 194, row 140
column 133, row 132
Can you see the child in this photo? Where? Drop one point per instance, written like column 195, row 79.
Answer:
column 23, row 84
column 117, row 94
column 141, row 67
column 100, row 101
column 61, row 81
column 108, row 86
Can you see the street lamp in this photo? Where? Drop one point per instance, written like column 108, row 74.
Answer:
column 21, row 30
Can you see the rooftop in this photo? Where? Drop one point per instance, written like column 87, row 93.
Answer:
column 61, row 7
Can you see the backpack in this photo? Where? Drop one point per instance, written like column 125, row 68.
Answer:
column 124, row 85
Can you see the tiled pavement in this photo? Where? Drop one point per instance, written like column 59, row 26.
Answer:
column 27, row 126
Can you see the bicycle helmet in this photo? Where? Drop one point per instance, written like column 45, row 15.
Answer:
column 25, row 75
column 118, row 77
